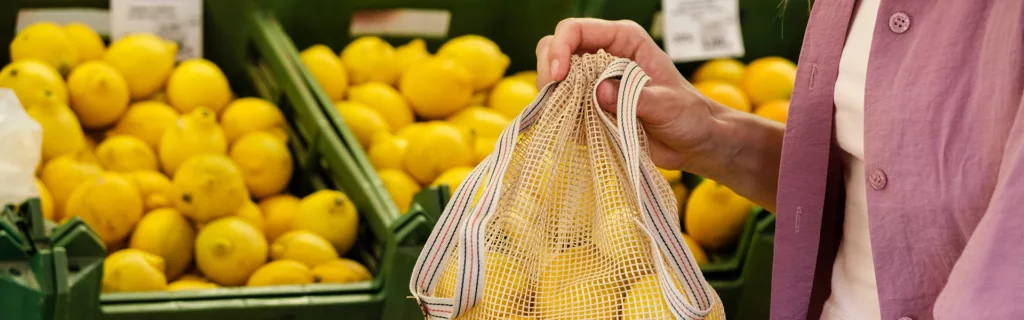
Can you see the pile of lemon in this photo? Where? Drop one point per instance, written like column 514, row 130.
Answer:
column 424, row 119
column 184, row 183
column 762, row 87
column 712, row 213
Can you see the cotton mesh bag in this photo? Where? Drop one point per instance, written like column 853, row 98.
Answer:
column 568, row 218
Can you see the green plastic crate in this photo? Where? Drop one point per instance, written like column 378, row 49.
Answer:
column 251, row 49
column 769, row 28
column 748, row 297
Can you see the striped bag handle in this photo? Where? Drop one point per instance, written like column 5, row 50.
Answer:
column 461, row 218
column 673, row 258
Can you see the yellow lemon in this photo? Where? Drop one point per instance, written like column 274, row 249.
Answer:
column 726, row 94
column 672, row 176
column 439, row 147
column 45, row 201
column 436, row 87
column 166, row 233
column 483, row 121
column 698, row 253
column 31, row 79
column 247, row 115
column 400, row 186
column 385, row 100
column 370, row 59
column 278, row 212
column 725, row 70
column 408, row 54
column 715, row 215
column 777, row 110
column 386, row 150
column 680, row 193
column 302, row 246
column 327, row 69
column 62, row 132
column 769, row 78
column 146, row 120
column 483, row 147
column 144, row 60
column 265, row 162
column 88, row 43
column 126, row 154
column 99, row 93
column 193, row 134
column 190, row 284
column 281, row 272
column 362, row 120
column 331, row 215
column 63, row 174
column 479, row 55
column 645, row 300
column 341, row 270
column 154, row 187
column 159, row 96
column 109, row 203
column 511, row 96
column 47, row 42
column 198, row 83
column 528, row 76
column 505, row 282
column 251, row 213
column 563, row 294
column 132, row 270
column 412, row 130
column 208, row 187
column 452, row 178
column 229, row 250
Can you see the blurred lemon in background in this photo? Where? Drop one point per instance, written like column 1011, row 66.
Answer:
column 370, row 59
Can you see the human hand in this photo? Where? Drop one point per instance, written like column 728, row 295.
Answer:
column 679, row 121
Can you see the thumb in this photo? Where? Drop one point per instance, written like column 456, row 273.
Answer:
column 608, row 95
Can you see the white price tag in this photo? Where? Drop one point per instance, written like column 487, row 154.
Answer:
column 180, row 21
column 701, row 29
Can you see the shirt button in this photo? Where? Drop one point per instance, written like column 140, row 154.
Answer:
column 878, row 180
column 899, row 22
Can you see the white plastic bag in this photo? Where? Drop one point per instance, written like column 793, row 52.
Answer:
column 21, row 143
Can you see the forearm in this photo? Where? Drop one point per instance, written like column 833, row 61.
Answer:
column 744, row 153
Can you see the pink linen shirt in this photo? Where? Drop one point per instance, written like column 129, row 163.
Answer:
column 943, row 156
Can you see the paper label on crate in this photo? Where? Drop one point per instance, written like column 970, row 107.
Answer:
column 701, row 29
column 180, row 21
column 401, row 22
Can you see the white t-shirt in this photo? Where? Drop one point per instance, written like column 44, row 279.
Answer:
column 854, row 290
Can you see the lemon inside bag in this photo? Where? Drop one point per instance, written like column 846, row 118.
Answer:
column 565, row 241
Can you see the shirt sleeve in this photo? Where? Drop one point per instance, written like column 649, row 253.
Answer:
column 987, row 281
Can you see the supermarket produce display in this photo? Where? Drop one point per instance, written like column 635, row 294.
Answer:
column 295, row 170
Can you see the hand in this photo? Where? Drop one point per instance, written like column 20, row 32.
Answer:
column 685, row 130
column 677, row 118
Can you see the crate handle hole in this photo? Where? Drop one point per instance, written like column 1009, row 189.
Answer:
column 14, row 271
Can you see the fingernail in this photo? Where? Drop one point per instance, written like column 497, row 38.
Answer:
column 554, row 70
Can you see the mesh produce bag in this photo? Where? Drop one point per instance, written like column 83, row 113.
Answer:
column 568, row 218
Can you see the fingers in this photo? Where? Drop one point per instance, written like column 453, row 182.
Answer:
column 619, row 38
column 655, row 106
column 608, row 94
column 543, row 75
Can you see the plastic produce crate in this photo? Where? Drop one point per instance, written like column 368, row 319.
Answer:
column 747, row 297
column 252, row 51
column 769, row 28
